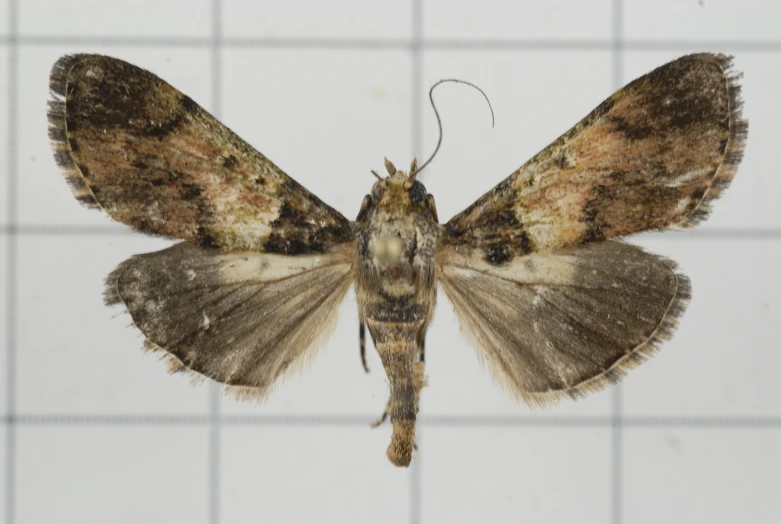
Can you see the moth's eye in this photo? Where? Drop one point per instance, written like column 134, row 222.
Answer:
column 417, row 193
column 377, row 192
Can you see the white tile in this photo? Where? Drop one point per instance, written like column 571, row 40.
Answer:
column 74, row 354
column 4, row 19
column 499, row 20
column 508, row 475
column 333, row 383
column 724, row 358
column 536, row 97
column 3, row 320
column 751, row 201
column 683, row 476
column 4, row 106
column 310, row 474
column 44, row 197
column 3, row 465
column 340, row 19
column 141, row 18
column 327, row 118
column 714, row 20
column 121, row 474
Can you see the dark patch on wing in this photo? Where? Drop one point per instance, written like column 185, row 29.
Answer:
column 295, row 233
column 230, row 161
column 499, row 235
column 498, row 254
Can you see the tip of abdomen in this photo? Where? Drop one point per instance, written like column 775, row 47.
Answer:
column 402, row 442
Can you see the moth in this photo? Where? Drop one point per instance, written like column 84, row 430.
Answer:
column 556, row 304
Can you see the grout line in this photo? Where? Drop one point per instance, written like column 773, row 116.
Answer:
column 215, row 388
column 12, row 245
column 433, row 421
column 357, row 44
column 416, row 120
column 617, row 436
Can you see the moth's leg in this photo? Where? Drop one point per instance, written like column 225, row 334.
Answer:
column 362, row 339
column 419, row 380
column 380, row 421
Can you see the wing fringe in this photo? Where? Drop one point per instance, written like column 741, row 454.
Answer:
column 58, row 134
column 736, row 143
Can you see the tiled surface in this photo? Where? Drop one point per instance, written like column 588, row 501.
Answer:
column 346, row 19
column 3, row 321
column 120, row 474
column 327, row 115
column 4, row 115
column 4, row 5
column 499, row 20
column 140, row 18
column 43, row 193
column 694, row 475
column 293, row 474
column 701, row 20
column 3, row 484
column 509, row 475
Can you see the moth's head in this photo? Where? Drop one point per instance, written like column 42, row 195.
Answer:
column 400, row 189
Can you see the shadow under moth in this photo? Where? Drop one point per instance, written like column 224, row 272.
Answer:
column 553, row 301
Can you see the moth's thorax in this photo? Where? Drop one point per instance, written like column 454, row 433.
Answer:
column 396, row 238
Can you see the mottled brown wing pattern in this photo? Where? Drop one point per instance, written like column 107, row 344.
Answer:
column 652, row 156
column 564, row 323
column 156, row 161
column 240, row 318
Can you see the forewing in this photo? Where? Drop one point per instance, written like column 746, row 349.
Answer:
column 568, row 322
column 652, row 156
column 155, row 160
column 240, row 318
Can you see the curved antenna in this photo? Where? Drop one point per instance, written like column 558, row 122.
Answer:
column 439, row 120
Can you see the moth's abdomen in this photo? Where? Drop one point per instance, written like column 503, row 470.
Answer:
column 397, row 345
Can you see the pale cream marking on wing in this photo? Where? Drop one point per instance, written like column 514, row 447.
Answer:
column 689, row 176
column 539, row 268
column 683, row 204
column 266, row 267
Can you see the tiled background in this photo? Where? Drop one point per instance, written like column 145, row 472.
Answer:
column 97, row 432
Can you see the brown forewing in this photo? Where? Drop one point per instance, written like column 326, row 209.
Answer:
column 651, row 156
column 155, row 160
